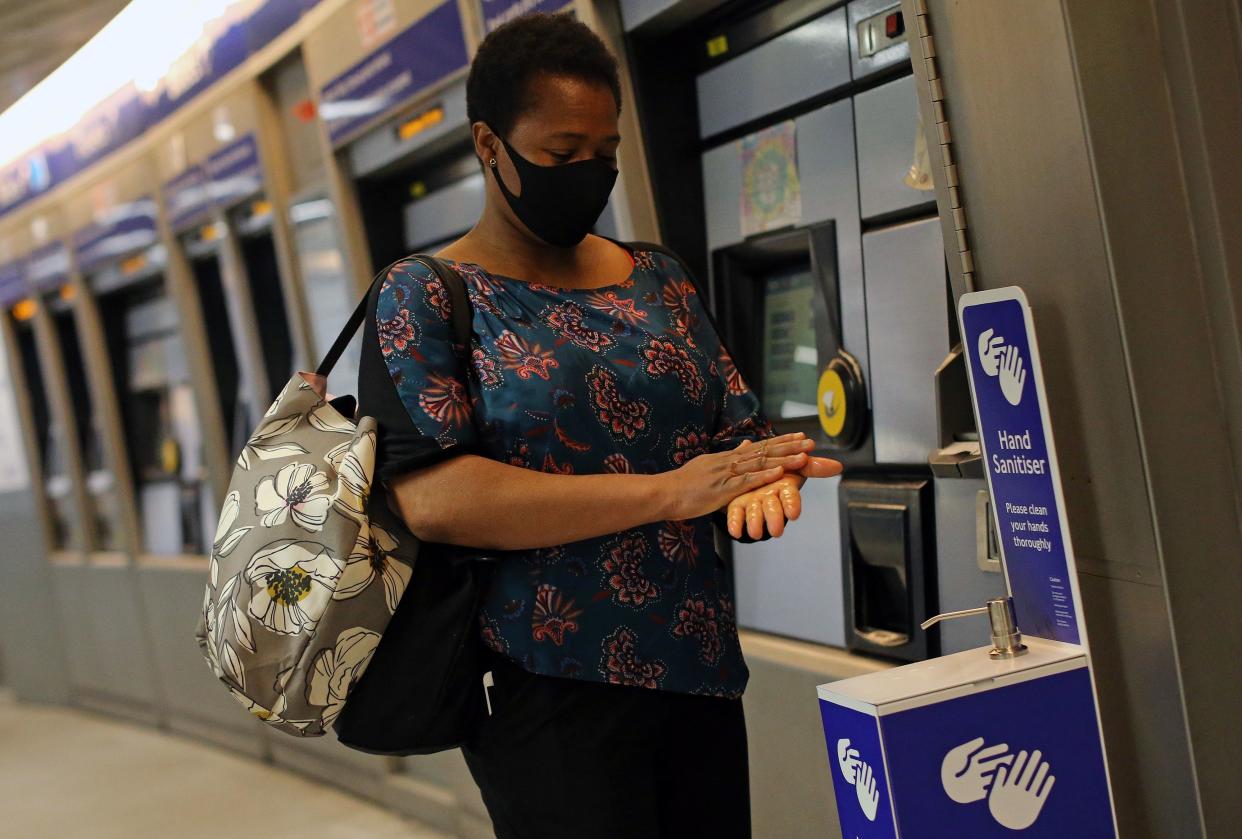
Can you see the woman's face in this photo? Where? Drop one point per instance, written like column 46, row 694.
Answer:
column 567, row 120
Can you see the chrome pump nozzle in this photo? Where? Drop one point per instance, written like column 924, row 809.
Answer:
column 1006, row 639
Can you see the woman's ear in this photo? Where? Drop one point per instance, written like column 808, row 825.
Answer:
column 486, row 143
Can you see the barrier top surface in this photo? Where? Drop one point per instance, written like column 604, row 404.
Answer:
column 966, row 672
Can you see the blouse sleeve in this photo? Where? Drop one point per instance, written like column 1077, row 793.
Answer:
column 741, row 417
column 416, row 373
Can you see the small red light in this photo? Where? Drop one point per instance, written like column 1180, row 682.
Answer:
column 894, row 25
column 304, row 110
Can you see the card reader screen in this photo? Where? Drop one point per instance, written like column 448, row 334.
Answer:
column 790, row 360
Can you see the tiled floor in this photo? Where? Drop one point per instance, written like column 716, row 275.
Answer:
column 66, row 774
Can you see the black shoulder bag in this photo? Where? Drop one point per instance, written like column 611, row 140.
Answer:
column 422, row 691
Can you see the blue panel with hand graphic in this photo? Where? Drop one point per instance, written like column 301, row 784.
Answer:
column 1025, row 757
column 856, row 761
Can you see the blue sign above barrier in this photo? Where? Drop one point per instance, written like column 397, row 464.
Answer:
column 12, row 284
column 47, row 267
column 127, row 228
column 229, row 175
column 234, row 172
column 187, row 199
column 496, row 13
column 429, row 50
column 1011, row 409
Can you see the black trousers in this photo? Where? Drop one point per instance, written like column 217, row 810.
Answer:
column 569, row 759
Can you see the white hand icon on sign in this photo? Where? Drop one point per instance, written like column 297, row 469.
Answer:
column 1019, row 792
column 868, row 793
column 1012, row 375
column 967, row 770
column 847, row 759
column 989, row 352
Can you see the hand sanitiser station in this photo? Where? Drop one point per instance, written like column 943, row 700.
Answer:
column 999, row 740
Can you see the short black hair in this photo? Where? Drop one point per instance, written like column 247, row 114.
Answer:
column 559, row 44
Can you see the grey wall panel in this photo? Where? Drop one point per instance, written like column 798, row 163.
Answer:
column 830, row 191
column 792, row 585
column 1141, row 713
column 797, row 65
column 172, row 598
column 907, row 317
column 722, row 184
column 446, row 212
column 790, row 783
column 119, row 633
column 960, row 583
column 73, row 612
column 887, row 123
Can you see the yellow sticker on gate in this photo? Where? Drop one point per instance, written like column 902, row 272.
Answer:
column 831, row 402
column 170, row 456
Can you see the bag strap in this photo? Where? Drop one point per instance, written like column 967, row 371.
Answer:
column 452, row 281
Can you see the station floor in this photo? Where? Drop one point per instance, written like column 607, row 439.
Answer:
column 69, row 774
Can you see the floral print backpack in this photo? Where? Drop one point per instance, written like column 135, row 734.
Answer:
column 305, row 575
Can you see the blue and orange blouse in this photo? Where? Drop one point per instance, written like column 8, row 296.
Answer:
column 624, row 378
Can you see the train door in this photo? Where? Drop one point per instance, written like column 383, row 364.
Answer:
column 795, row 188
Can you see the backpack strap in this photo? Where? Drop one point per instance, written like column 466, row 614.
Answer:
column 453, row 282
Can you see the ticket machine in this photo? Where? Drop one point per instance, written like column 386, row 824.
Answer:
column 794, row 187
column 124, row 265
column 328, row 292
column 52, row 442
column 214, row 190
column 49, row 275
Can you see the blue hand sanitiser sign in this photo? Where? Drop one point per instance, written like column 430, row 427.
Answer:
column 1021, row 462
column 987, row 743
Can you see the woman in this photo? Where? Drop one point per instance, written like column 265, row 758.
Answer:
column 590, row 432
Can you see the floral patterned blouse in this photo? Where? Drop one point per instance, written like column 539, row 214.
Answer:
column 629, row 377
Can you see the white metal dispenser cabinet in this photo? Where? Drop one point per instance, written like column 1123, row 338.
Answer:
column 999, row 740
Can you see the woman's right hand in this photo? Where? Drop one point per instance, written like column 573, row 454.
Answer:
column 710, row 481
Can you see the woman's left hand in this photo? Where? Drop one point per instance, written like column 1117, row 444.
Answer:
column 775, row 503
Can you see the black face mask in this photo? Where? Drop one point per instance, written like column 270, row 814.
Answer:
column 559, row 204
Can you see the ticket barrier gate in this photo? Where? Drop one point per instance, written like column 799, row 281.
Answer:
column 151, row 373
column 777, row 298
